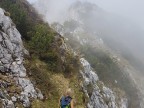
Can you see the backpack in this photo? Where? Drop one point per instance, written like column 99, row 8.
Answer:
column 65, row 102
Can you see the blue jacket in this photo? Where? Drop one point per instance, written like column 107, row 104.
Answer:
column 65, row 102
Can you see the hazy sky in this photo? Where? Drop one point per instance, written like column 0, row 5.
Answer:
column 31, row 1
column 131, row 9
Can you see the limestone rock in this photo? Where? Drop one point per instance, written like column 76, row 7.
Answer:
column 10, row 104
column 13, row 98
column 100, row 96
column 12, row 52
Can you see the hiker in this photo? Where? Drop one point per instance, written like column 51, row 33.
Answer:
column 66, row 100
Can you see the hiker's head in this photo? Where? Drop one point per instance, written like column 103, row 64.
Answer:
column 68, row 92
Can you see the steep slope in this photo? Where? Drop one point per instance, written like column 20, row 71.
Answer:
column 98, row 94
column 15, row 84
column 51, row 66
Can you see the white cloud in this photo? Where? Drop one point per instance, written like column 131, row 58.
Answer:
column 32, row 1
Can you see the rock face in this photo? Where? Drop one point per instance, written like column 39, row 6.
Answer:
column 99, row 96
column 11, row 65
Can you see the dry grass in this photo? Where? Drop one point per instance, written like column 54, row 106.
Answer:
column 53, row 85
column 60, row 82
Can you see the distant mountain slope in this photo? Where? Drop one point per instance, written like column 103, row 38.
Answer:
column 118, row 33
column 104, row 40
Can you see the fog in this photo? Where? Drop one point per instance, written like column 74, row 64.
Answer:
column 131, row 9
column 118, row 20
column 120, row 23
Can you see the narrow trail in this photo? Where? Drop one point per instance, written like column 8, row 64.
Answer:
column 60, row 82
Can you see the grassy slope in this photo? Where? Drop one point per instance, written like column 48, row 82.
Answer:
column 52, row 84
column 44, row 64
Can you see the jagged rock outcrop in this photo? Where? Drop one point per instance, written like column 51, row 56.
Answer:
column 99, row 96
column 14, row 83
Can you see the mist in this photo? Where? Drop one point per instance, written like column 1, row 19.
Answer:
column 130, row 9
column 120, row 23
column 118, row 20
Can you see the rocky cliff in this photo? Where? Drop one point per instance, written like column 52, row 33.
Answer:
column 99, row 96
column 15, row 86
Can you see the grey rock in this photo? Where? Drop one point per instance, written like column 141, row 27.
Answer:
column 19, row 62
column 2, row 69
column 1, row 63
column 26, row 52
column 12, row 52
column 13, row 98
column 100, row 98
column 25, row 100
column 40, row 96
column 7, row 66
column 9, row 45
column 0, row 39
column 10, row 104
column 4, row 61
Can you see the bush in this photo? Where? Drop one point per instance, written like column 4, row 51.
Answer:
column 38, row 35
column 18, row 15
column 41, row 38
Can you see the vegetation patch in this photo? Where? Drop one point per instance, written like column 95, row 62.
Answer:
column 52, row 85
